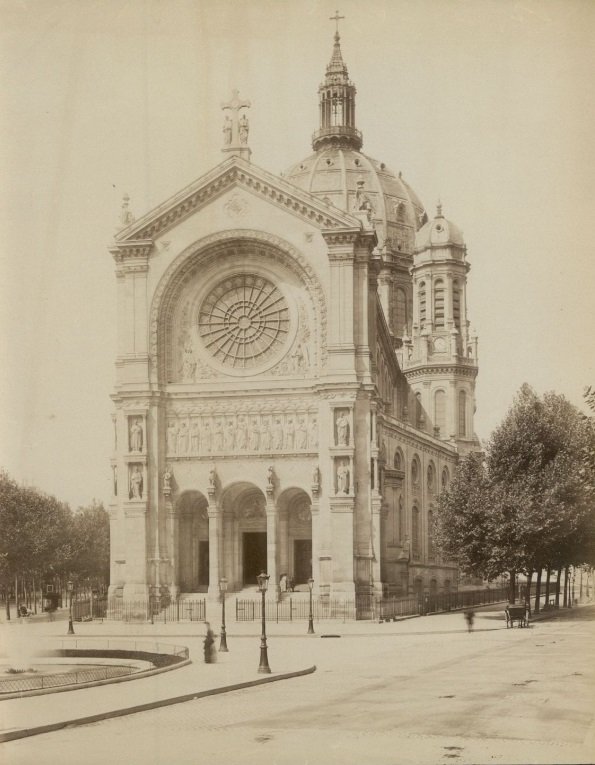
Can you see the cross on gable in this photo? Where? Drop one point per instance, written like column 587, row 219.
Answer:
column 235, row 104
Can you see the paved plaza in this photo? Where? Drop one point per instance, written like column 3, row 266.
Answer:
column 418, row 691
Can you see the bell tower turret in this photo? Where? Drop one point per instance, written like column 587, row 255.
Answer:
column 441, row 361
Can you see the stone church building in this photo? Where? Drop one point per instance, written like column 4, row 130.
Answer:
column 295, row 373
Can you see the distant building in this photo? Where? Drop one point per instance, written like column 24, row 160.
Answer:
column 295, row 373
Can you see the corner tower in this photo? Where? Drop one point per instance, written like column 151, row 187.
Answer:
column 440, row 358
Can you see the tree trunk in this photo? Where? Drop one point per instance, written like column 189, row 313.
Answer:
column 7, row 593
column 566, row 592
column 528, row 591
column 512, row 592
column 558, row 580
column 547, row 586
column 538, row 591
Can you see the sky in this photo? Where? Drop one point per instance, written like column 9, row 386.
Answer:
column 487, row 106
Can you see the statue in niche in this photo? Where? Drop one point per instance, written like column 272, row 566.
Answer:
column 277, row 434
column 244, row 127
column 167, row 476
column 227, row 128
column 136, row 436
column 183, row 438
column 313, row 433
column 301, row 434
column 212, row 477
column 205, row 437
column 218, row 436
column 253, row 435
column 289, row 434
column 242, row 434
column 172, row 437
column 229, row 436
column 342, row 429
column 194, row 437
column 343, row 478
column 270, row 477
column 136, row 483
column 265, row 436
column 316, row 476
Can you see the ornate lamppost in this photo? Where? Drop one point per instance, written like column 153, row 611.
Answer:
column 310, row 615
column 263, row 583
column 70, row 590
column 223, row 589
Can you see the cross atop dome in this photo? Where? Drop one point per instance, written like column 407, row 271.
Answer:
column 336, row 18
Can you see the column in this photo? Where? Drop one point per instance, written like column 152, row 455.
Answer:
column 214, row 548
column 272, row 555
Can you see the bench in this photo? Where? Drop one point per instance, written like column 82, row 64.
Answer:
column 516, row 613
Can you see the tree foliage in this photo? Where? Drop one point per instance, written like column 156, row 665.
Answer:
column 528, row 502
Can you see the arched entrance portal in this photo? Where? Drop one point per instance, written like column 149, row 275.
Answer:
column 193, row 542
column 247, row 548
column 296, row 536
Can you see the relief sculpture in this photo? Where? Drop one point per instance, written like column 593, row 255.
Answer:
column 193, row 435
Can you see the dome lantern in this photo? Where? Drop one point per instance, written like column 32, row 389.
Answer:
column 337, row 103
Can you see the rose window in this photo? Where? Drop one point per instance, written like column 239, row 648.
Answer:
column 244, row 321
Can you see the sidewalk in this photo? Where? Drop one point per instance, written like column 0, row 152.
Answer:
column 29, row 716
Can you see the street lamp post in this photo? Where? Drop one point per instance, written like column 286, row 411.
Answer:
column 263, row 582
column 223, row 589
column 70, row 590
column 310, row 615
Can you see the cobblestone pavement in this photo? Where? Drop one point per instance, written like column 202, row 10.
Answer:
column 496, row 695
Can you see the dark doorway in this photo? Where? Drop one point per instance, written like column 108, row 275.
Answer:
column 255, row 555
column 302, row 560
column 203, row 564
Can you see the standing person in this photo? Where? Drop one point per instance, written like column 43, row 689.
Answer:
column 469, row 617
column 209, row 645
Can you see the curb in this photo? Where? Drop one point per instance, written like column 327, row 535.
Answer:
column 26, row 732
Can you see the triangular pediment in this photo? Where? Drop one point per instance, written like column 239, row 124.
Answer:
column 236, row 172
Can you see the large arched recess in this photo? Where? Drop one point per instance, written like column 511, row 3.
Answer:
column 295, row 536
column 243, row 507
column 193, row 542
column 202, row 256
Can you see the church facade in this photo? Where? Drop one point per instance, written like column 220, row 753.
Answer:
column 295, row 374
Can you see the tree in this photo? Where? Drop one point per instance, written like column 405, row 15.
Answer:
column 531, row 499
column 90, row 560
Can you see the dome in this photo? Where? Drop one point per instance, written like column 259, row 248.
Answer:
column 439, row 232
column 341, row 175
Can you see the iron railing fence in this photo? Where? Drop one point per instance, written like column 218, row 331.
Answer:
column 18, row 682
column 365, row 606
column 157, row 610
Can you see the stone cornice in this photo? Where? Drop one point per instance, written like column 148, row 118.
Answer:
column 421, row 370
column 236, row 172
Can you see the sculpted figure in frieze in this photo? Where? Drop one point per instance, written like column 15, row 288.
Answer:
column 183, row 440
column 172, row 437
column 301, row 435
column 194, row 437
column 242, row 434
column 206, row 437
column 229, row 436
column 277, row 434
column 289, row 435
column 253, row 437
column 265, row 435
column 218, row 436
column 313, row 434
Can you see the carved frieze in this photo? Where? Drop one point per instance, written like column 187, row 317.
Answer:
column 286, row 431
